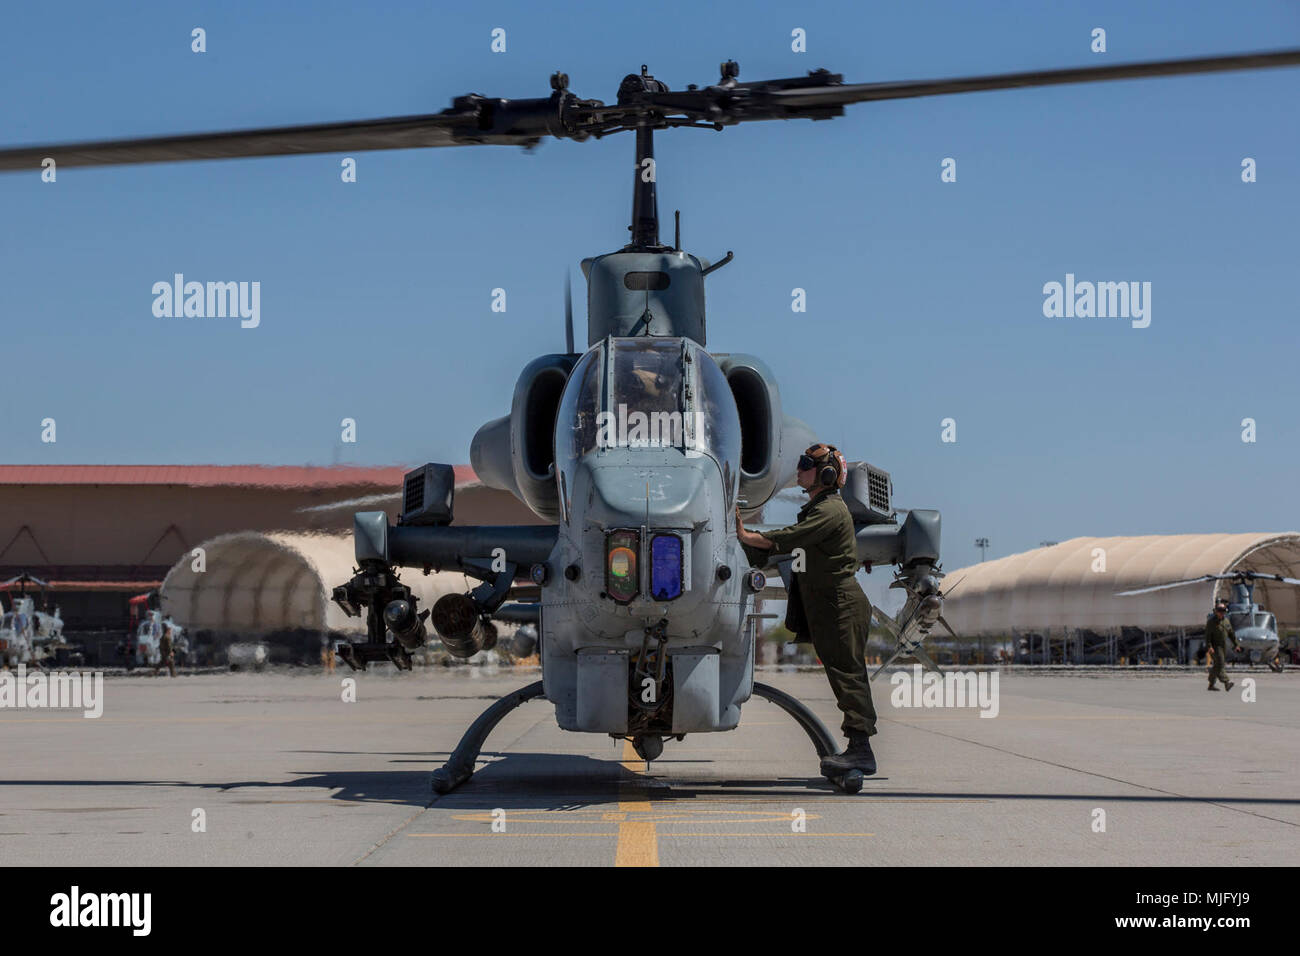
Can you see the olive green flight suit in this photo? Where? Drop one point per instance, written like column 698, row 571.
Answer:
column 826, row 604
column 166, row 652
column 1217, row 635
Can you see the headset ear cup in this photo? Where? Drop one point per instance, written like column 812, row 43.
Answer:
column 827, row 476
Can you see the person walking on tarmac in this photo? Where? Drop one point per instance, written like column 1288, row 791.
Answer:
column 166, row 650
column 825, row 604
column 1218, row 631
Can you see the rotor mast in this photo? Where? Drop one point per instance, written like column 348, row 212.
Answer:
column 645, row 199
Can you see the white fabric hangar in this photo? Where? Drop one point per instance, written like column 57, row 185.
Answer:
column 257, row 583
column 1073, row 585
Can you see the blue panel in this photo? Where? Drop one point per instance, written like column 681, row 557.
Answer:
column 666, row 567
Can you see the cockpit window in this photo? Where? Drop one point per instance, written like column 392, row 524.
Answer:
column 576, row 420
column 717, row 407
column 661, row 393
column 1243, row 619
column 646, row 396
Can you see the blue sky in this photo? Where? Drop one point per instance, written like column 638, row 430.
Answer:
column 924, row 298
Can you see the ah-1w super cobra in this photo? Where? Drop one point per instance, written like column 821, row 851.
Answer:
column 646, row 609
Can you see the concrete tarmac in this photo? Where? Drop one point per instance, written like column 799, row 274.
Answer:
column 279, row 769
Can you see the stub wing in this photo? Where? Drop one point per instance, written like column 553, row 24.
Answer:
column 500, row 556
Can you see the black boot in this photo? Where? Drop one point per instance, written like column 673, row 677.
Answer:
column 857, row 756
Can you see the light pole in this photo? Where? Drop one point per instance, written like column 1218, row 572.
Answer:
column 982, row 544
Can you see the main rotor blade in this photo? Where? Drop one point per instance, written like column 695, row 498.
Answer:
column 366, row 501
column 843, row 95
column 1261, row 576
column 478, row 120
column 23, row 578
column 403, row 132
column 1175, row 584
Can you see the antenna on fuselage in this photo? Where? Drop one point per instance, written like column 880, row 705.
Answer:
column 646, row 317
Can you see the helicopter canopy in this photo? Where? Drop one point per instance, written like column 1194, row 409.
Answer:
column 661, row 393
column 1261, row 619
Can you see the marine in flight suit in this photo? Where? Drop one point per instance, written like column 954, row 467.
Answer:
column 166, row 651
column 826, row 605
column 1218, row 632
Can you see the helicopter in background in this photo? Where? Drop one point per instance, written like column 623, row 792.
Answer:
column 26, row 634
column 145, row 625
column 1254, row 626
column 638, row 448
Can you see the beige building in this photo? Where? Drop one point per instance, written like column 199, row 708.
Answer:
column 1068, row 592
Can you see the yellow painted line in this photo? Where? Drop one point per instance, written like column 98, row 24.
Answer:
column 769, row 834
column 638, row 844
column 654, row 816
column 604, row 833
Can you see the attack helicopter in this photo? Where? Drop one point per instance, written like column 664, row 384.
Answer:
column 1254, row 626
column 638, row 449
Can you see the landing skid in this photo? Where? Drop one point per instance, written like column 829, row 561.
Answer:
column 460, row 767
column 850, row 782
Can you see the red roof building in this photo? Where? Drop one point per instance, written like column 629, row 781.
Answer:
column 100, row 534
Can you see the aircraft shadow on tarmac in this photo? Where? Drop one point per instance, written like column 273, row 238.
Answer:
column 540, row 781
column 509, row 781
column 523, row 780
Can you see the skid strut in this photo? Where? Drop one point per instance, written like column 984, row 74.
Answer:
column 805, row 718
column 849, row 781
column 460, row 766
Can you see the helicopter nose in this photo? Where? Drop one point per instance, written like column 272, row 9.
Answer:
column 675, row 494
